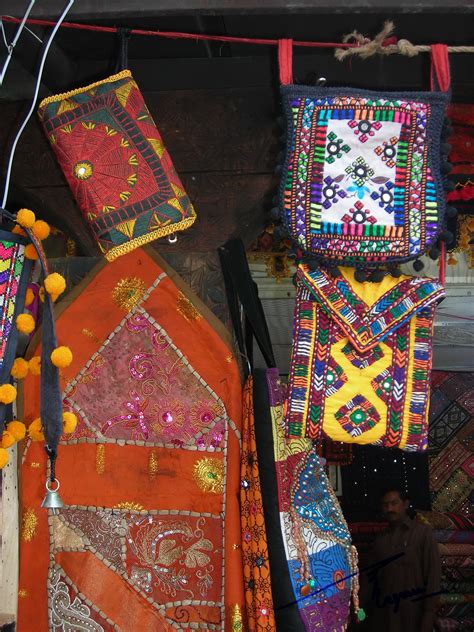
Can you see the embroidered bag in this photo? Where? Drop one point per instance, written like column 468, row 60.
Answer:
column 313, row 568
column 116, row 164
column 362, row 181
column 361, row 359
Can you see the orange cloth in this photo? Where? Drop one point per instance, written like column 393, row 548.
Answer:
column 150, row 476
column 258, row 589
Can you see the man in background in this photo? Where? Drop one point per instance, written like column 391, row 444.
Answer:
column 403, row 579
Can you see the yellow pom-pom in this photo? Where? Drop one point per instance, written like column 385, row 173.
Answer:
column 41, row 229
column 3, row 457
column 35, row 365
column 61, row 357
column 19, row 369
column 69, row 422
column 29, row 297
column 25, row 218
column 18, row 230
column 30, row 252
column 55, row 284
column 17, row 429
column 7, row 393
column 25, row 323
column 35, row 430
column 7, row 439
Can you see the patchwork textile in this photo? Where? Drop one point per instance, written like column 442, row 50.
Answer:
column 116, row 164
column 361, row 359
column 150, row 535
column 14, row 275
column 321, row 561
column 361, row 180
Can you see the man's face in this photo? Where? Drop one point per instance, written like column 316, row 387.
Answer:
column 393, row 507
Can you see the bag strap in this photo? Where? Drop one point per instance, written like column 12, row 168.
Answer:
column 242, row 293
column 440, row 71
column 285, row 61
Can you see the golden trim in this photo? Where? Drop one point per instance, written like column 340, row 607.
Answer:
column 100, row 458
column 65, row 95
column 29, row 525
column 129, row 246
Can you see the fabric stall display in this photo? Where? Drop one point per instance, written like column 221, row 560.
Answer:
column 362, row 183
column 149, row 538
column 313, row 567
column 116, row 164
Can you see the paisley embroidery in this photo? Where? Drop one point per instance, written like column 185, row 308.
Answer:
column 173, row 557
column 67, row 616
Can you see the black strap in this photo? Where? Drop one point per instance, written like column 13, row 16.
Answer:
column 242, row 292
column 123, row 35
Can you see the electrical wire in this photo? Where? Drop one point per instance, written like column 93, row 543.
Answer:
column 11, row 46
column 33, row 102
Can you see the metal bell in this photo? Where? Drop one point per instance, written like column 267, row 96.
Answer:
column 52, row 499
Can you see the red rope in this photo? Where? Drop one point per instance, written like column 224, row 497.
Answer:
column 179, row 35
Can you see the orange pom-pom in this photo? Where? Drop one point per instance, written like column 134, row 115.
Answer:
column 35, row 430
column 29, row 297
column 17, row 429
column 30, row 252
column 7, row 393
column 25, row 218
column 7, row 439
column 55, row 284
column 61, row 357
column 41, row 229
column 69, row 422
column 25, row 323
column 19, row 369
column 18, row 230
column 3, row 457
column 35, row 365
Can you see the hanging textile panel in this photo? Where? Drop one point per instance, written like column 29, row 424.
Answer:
column 361, row 359
column 116, row 164
column 321, row 561
column 150, row 536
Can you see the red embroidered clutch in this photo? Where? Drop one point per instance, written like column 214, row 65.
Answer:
column 116, row 164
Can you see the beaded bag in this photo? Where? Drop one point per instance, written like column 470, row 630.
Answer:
column 361, row 359
column 362, row 180
column 116, row 164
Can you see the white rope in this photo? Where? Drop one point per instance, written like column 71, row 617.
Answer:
column 33, row 102
column 367, row 47
column 11, row 46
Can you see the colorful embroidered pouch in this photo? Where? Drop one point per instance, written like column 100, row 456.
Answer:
column 322, row 564
column 361, row 359
column 116, row 164
column 362, row 178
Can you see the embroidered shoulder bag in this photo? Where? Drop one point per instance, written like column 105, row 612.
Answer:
column 116, row 164
column 362, row 180
column 361, row 359
column 313, row 567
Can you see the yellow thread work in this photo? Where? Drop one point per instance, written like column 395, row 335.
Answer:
column 28, row 525
column 236, row 620
column 100, row 458
column 409, row 387
column 129, row 506
column 128, row 292
column 358, row 383
column 186, row 308
column 65, row 95
column 22, row 593
column 209, row 475
column 90, row 334
column 152, row 464
column 123, row 249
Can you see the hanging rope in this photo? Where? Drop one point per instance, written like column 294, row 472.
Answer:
column 385, row 44
column 352, row 44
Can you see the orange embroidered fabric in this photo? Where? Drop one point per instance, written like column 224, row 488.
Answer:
column 149, row 538
column 258, row 591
